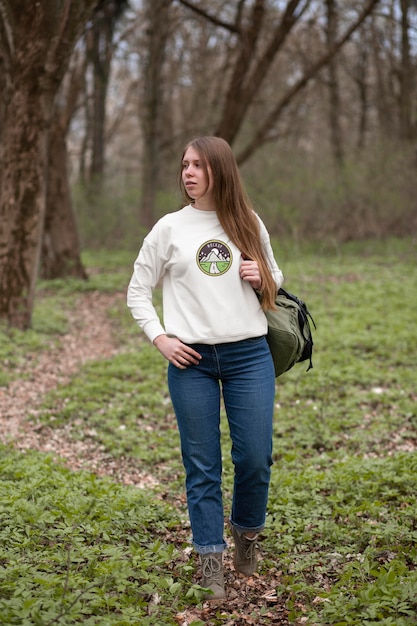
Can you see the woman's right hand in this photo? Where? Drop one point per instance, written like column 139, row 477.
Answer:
column 176, row 352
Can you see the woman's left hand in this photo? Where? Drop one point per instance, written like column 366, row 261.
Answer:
column 249, row 271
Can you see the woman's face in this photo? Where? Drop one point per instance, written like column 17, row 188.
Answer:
column 196, row 180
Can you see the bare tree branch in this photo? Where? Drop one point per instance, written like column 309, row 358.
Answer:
column 245, row 81
column 262, row 134
column 233, row 28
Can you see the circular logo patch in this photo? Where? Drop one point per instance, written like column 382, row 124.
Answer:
column 214, row 258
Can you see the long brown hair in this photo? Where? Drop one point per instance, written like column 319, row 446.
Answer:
column 233, row 207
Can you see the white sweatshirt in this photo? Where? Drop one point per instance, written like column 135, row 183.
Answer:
column 204, row 298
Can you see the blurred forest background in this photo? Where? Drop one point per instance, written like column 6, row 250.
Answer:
column 318, row 99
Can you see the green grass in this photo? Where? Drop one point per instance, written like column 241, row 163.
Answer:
column 342, row 521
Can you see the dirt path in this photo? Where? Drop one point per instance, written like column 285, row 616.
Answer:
column 89, row 337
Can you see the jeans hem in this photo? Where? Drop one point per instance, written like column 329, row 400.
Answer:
column 247, row 529
column 208, row 549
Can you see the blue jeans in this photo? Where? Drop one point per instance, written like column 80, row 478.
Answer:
column 244, row 372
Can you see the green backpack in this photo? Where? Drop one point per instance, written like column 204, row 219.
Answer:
column 289, row 334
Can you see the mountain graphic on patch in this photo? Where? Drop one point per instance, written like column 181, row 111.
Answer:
column 214, row 258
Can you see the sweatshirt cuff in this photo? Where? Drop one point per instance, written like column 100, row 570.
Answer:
column 153, row 329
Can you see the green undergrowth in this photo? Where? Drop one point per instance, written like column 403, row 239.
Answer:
column 347, row 540
column 342, row 521
column 76, row 549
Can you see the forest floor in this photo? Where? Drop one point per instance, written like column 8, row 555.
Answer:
column 90, row 450
column 90, row 337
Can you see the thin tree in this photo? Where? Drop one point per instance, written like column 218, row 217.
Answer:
column 61, row 252
column 406, row 74
column 99, row 49
column 333, row 85
column 157, row 30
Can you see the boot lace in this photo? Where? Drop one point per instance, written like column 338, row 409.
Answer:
column 212, row 570
column 250, row 547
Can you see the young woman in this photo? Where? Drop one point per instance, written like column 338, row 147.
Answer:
column 218, row 276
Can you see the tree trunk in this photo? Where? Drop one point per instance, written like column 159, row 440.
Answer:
column 22, row 200
column 37, row 40
column 382, row 88
column 334, row 92
column 97, row 51
column 360, row 77
column 99, row 42
column 61, row 255
column 406, row 75
column 153, row 95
